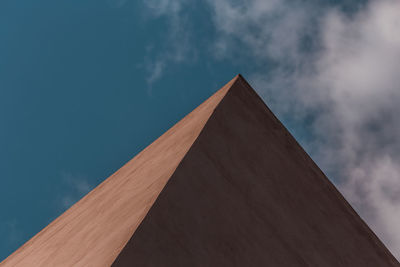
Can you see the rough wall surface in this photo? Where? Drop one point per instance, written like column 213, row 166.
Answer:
column 246, row 194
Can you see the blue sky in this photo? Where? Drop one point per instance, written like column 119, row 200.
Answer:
column 86, row 85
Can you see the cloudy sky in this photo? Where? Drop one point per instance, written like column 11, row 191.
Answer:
column 85, row 85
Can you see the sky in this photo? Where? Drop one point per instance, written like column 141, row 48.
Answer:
column 86, row 85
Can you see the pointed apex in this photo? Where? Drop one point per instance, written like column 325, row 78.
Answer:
column 238, row 77
column 235, row 79
column 238, row 80
column 225, row 186
column 241, row 78
column 244, row 83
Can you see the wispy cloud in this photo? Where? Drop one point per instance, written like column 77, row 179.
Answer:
column 75, row 187
column 273, row 29
column 177, row 47
column 155, row 70
column 341, row 70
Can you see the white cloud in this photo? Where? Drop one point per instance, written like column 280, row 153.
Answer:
column 358, row 71
column 348, row 83
column 374, row 186
column 177, row 47
column 272, row 29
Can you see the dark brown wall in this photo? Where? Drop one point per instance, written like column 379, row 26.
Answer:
column 246, row 194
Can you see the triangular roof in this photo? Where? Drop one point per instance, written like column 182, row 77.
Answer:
column 226, row 186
